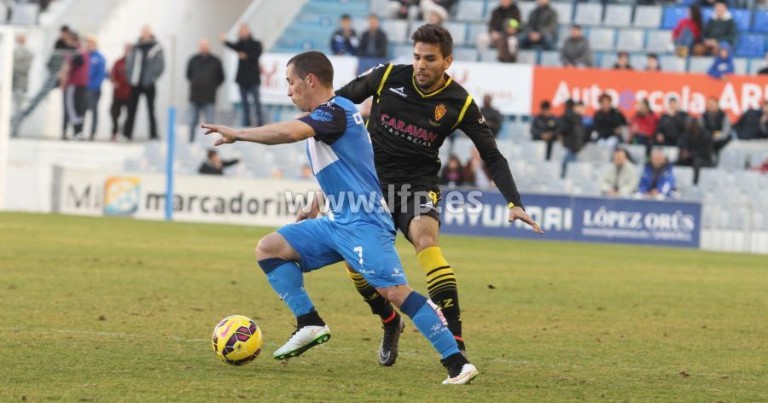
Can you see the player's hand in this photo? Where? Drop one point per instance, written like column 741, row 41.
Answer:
column 228, row 134
column 517, row 213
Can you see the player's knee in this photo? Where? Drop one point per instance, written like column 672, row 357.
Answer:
column 395, row 294
column 424, row 241
column 268, row 247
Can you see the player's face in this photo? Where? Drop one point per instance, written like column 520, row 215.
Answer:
column 297, row 89
column 429, row 66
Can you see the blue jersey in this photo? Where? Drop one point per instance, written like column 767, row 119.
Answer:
column 341, row 157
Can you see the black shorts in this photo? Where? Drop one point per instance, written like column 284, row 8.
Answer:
column 406, row 202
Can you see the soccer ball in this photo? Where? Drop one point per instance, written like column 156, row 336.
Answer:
column 237, row 340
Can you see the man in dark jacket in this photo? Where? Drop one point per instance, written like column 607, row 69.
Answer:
column 544, row 127
column 541, row 28
column 720, row 28
column 344, row 40
column 575, row 51
column 493, row 117
column 572, row 132
column 205, row 74
column 248, row 72
column 214, row 165
column 671, row 127
column 609, row 122
column 374, row 40
column 500, row 17
column 753, row 124
column 143, row 67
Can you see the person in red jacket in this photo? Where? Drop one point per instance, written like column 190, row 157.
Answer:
column 688, row 32
column 643, row 125
column 121, row 93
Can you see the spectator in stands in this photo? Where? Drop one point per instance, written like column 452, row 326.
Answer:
column 652, row 62
column 248, row 77
column 764, row 70
column 720, row 28
column 716, row 124
column 687, row 32
column 74, row 81
column 500, row 16
column 508, row 53
column 121, row 90
column 374, row 41
column 622, row 61
column 144, row 66
column 452, row 174
column 493, row 118
column 306, row 173
column 440, row 7
column 609, row 123
column 571, row 132
column 65, row 45
column 205, row 74
column 476, row 172
column 22, row 62
column 403, row 9
column 344, row 40
column 541, row 28
column 696, row 149
column 723, row 62
column 658, row 178
column 672, row 125
column 642, row 126
column 434, row 18
column 621, row 177
column 214, row 165
column 545, row 127
column 97, row 67
column 575, row 51
column 753, row 124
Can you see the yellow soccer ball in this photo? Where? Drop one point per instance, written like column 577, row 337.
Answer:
column 237, row 340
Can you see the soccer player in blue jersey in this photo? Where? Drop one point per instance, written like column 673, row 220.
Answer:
column 341, row 157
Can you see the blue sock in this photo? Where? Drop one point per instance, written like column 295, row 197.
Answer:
column 429, row 324
column 287, row 280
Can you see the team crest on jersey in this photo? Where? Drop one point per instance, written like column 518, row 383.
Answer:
column 440, row 111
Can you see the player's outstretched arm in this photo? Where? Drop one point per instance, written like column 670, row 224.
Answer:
column 273, row 133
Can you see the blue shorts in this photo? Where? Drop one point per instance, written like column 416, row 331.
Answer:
column 369, row 249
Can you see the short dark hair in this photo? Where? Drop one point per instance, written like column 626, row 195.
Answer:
column 212, row 153
column 345, row 17
column 652, row 56
column 604, row 96
column 434, row 35
column 313, row 62
column 545, row 105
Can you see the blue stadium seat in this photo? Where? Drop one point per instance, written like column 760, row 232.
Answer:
column 706, row 14
column 550, row 58
column 396, row 30
column 475, row 29
column 564, row 12
column 740, row 64
column 526, row 7
column 601, row 38
column 671, row 16
column 672, row 63
column 618, row 15
column 458, row 31
column 742, row 18
column 465, row 54
column 630, row 40
column 588, row 14
column 750, row 45
column 700, row 64
column 756, row 65
column 527, row 56
column 647, row 16
column 660, row 42
column 761, row 21
column 470, row 10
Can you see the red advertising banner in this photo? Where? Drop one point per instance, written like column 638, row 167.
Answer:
column 557, row 85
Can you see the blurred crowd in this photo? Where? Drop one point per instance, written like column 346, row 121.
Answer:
column 79, row 69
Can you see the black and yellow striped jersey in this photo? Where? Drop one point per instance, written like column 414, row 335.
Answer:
column 408, row 127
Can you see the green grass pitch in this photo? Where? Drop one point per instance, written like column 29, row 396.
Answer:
column 97, row 309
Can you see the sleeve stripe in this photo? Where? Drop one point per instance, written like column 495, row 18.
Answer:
column 384, row 79
column 463, row 111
